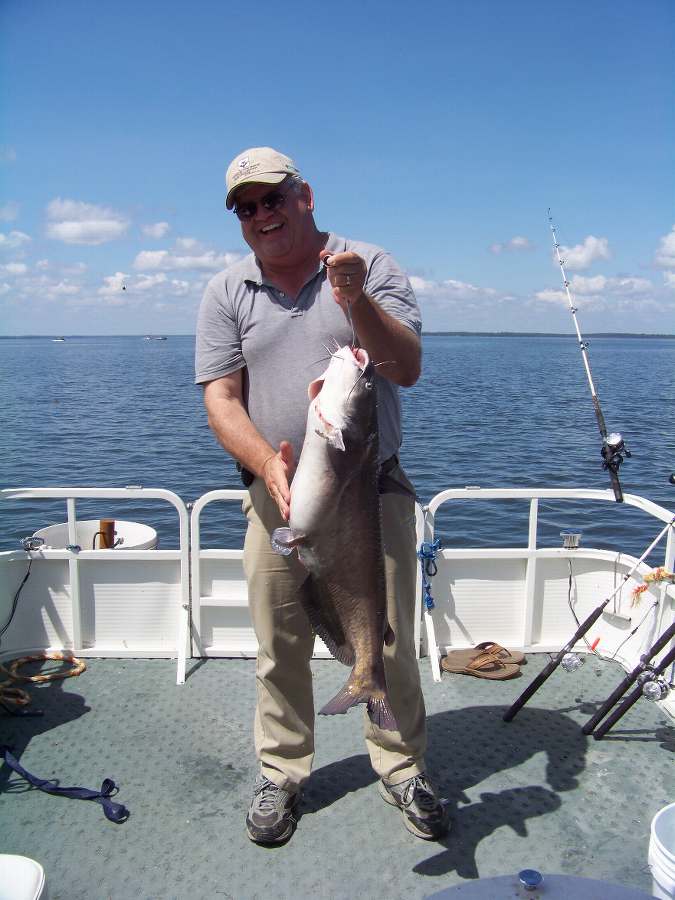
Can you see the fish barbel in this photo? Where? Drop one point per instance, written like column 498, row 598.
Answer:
column 336, row 528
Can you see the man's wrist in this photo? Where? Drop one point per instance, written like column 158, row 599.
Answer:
column 362, row 300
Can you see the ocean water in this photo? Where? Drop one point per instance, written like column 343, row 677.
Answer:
column 494, row 411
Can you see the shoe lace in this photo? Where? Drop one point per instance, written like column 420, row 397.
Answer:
column 266, row 796
column 420, row 792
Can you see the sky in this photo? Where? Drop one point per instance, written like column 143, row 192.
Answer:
column 441, row 131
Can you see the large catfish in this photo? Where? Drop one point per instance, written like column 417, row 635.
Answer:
column 335, row 524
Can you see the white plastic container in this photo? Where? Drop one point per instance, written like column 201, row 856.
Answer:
column 662, row 853
column 21, row 878
column 135, row 536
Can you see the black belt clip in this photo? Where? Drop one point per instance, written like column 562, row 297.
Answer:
column 247, row 478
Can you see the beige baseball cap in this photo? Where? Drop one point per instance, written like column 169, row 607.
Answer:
column 259, row 165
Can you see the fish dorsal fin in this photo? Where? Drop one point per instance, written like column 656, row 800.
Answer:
column 324, row 623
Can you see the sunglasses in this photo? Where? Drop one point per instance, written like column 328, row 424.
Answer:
column 270, row 202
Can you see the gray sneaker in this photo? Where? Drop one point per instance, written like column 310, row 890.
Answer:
column 424, row 814
column 271, row 816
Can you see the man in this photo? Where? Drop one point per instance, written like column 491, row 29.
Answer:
column 261, row 327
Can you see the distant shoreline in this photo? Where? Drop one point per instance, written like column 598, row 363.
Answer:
column 507, row 334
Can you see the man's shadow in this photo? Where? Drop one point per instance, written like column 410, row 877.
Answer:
column 466, row 747
column 58, row 706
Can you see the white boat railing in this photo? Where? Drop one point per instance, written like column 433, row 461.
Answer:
column 216, row 585
column 517, row 596
column 67, row 602
column 531, row 556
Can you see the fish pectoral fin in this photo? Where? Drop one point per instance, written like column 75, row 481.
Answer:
column 389, row 636
column 335, row 439
column 332, row 435
column 285, row 540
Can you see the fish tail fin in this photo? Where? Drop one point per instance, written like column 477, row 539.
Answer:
column 376, row 700
column 381, row 714
column 344, row 700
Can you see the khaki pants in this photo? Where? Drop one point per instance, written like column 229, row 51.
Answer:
column 284, row 720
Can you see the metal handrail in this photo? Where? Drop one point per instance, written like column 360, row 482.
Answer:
column 132, row 492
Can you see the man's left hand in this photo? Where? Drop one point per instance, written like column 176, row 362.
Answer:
column 347, row 275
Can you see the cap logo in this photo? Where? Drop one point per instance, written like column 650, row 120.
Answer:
column 243, row 162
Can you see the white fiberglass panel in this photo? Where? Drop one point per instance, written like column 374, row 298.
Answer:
column 132, row 606
column 43, row 615
column 223, row 580
column 593, row 580
column 479, row 600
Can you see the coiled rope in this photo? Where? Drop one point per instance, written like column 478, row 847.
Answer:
column 9, row 693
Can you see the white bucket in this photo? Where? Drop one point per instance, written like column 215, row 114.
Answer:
column 662, row 853
column 135, row 536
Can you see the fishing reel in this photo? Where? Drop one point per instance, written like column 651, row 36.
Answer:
column 654, row 686
column 614, row 451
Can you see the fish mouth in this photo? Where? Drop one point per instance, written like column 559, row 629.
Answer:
column 348, row 354
column 361, row 357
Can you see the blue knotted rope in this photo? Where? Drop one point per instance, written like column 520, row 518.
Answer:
column 115, row 812
column 427, row 557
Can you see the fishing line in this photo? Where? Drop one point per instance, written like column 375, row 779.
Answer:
column 613, row 450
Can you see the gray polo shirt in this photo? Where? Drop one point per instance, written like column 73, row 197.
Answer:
column 245, row 322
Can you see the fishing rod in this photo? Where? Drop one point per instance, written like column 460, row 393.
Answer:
column 578, row 634
column 652, row 684
column 643, row 672
column 613, row 448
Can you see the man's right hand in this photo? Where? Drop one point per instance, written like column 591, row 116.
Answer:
column 277, row 470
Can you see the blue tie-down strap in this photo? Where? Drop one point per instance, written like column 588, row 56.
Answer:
column 427, row 557
column 116, row 812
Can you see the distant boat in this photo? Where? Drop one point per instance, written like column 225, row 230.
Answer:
column 152, row 337
column 59, row 340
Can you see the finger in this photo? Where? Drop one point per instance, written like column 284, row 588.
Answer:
column 286, row 453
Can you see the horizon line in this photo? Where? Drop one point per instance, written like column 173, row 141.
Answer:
column 565, row 334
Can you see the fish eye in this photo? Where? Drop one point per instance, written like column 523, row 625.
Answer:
column 368, row 385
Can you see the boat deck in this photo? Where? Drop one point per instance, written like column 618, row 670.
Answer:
column 535, row 793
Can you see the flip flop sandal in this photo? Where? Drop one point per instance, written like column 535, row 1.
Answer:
column 485, row 665
column 462, row 657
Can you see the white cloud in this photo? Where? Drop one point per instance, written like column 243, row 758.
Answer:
column 581, row 256
column 156, row 231
column 14, row 268
column 180, row 288
column 64, row 289
column 164, row 260
column 669, row 279
column 147, row 282
column 42, row 264
column 190, row 245
column 665, row 255
column 7, row 154
column 450, row 289
column 13, row 240
column 549, row 296
column 515, row 243
column 4, row 288
column 74, row 222
column 114, row 285
column 9, row 211
column 600, row 291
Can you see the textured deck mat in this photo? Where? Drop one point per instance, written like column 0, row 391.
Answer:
column 535, row 793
